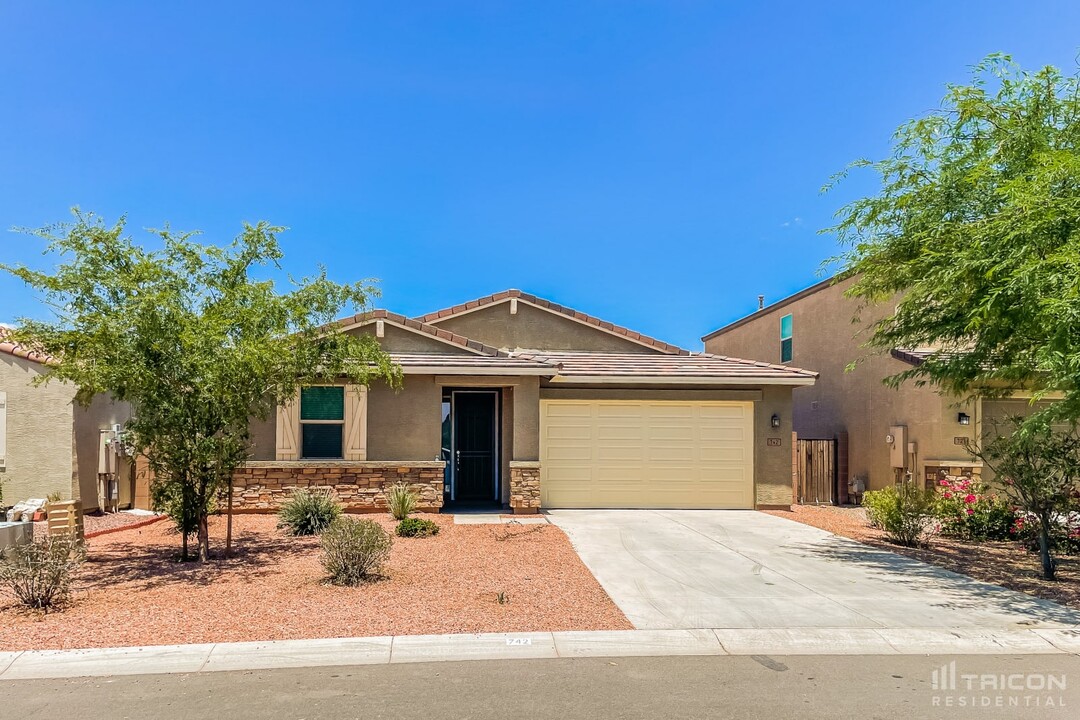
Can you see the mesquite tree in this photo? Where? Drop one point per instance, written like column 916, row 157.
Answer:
column 975, row 235
column 193, row 341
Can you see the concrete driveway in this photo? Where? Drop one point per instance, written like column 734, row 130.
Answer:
column 745, row 569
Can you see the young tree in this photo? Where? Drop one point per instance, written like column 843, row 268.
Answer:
column 194, row 342
column 1039, row 467
column 975, row 234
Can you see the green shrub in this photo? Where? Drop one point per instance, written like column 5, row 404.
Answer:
column 308, row 512
column 354, row 550
column 904, row 512
column 416, row 527
column 39, row 574
column 401, row 501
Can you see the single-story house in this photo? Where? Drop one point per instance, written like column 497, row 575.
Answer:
column 883, row 435
column 49, row 444
column 513, row 400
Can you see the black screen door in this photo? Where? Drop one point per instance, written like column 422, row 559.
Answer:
column 474, row 454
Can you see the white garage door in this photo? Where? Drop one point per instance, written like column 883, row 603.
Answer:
column 659, row 454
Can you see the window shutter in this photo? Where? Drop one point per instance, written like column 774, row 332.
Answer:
column 288, row 430
column 3, row 429
column 355, row 422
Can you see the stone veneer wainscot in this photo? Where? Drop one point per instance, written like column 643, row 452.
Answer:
column 360, row 486
column 524, row 487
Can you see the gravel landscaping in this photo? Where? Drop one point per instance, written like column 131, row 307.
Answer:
column 132, row 591
column 1003, row 563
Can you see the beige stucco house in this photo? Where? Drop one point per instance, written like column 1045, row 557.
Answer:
column 514, row 400
column 883, row 433
column 48, row 443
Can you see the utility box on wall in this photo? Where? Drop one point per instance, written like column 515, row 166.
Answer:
column 898, row 445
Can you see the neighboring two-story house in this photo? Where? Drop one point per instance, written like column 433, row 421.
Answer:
column 51, row 445
column 883, row 434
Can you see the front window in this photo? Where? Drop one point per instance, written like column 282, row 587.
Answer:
column 785, row 339
column 322, row 422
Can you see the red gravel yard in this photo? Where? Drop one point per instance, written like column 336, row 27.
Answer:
column 132, row 591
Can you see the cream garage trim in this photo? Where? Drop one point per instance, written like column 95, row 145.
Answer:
column 646, row 454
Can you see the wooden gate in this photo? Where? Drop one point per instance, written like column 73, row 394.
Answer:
column 815, row 471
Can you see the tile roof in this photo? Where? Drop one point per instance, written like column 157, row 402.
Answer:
column 10, row 347
column 505, row 295
column 918, row 356
column 683, row 368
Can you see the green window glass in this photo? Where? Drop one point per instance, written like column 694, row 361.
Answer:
column 322, row 403
column 785, row 339
column 322, row 422
column 322, row 441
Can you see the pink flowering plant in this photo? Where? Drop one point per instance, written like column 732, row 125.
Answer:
column 967, row 509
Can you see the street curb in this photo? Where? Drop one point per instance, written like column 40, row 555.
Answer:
column 323, row 652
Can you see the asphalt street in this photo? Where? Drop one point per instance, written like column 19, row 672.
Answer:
column 746, row 687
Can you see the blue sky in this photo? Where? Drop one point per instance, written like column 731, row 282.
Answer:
column 656, row 164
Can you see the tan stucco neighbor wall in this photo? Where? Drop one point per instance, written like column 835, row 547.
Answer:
column 102, row 414
column 40, row 449
column 534, row 329
column 824, row 339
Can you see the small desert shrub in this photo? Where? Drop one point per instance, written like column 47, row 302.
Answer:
column 354, row 550
column 39, row 574
column 308, row 512
column 904, row 512
column 416, row 527
column 401, row 500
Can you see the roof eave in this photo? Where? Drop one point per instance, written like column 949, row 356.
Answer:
column 795, row 380
column 476, row 370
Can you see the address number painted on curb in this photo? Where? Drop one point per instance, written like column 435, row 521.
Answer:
column 519, row 641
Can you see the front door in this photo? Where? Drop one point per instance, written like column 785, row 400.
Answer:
column 474, row 449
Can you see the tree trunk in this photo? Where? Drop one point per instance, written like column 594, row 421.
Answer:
column 183, row 547
column 1048, row 564
column 204, row 537
column 228, row 524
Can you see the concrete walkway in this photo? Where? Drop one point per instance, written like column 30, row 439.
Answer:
column 742, row 569
column 151, row 660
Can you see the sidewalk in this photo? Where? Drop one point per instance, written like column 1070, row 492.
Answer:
column 34, row 664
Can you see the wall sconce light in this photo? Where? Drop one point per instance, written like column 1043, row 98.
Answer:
column 963, row 419
column 775, row 421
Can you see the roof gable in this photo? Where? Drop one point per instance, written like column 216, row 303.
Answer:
column 542, row 335
column 455, row 341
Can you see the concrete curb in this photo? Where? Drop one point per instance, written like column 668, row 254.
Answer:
column 148, row 660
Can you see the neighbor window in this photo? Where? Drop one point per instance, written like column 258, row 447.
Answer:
column 322, row 422
column 785, row 339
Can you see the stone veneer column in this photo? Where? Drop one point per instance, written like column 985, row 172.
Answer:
column 524, row 487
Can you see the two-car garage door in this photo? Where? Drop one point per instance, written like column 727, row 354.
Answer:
column 647, row 454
